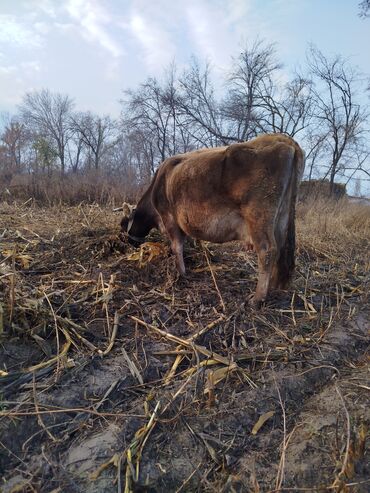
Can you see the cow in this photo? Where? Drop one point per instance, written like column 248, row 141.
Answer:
column 244, row 191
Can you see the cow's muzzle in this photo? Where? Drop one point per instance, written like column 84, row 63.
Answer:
column 135, row 241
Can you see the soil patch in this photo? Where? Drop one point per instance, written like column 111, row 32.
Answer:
column 116, row 374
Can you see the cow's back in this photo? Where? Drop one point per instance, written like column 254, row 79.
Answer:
column 205, row 191
column 226, row 173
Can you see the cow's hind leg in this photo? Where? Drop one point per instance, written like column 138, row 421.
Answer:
column 263, row 237
column 285, row 263
column 267, row 253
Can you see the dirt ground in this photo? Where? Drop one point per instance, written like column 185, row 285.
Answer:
column 115, row 375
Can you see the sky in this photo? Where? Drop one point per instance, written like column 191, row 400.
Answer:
column 93, row 50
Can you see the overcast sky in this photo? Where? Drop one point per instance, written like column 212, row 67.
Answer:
column 94, row 49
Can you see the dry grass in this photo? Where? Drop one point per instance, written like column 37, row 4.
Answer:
column 94, row 186
column 73, row 293
column 325, row 220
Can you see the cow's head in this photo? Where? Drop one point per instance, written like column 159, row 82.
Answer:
column 136, row 222
column 128, row 213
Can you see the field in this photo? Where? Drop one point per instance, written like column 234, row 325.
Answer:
column 115, row 375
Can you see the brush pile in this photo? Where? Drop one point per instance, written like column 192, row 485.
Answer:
column 115, row 375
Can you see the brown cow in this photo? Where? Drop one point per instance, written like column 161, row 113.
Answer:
column 243, row 191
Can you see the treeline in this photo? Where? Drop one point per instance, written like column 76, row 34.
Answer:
column 52, row 152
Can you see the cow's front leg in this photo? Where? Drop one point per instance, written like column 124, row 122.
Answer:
column 177, row 246
column 177, row 238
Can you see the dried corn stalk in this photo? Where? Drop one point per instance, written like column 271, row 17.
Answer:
column 147, row 252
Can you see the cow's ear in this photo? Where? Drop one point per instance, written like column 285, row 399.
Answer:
column 126, row 209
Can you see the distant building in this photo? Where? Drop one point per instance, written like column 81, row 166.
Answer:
column 320, row 188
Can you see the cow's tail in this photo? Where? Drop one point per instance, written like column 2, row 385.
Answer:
column 286, row 256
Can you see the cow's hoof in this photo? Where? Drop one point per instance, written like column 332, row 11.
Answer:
column 254, row 302
column 180, row 278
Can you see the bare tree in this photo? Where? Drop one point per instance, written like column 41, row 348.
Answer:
column 315, row 145
column 180, row 138
column 141, row 153
column 93, row 131
column 337, row 113
column 288, row 109
column 75, row 148
column 251, row 85
column 201, row 115
column 149, row 116
column 359, row 164
column 151, row 113
column 364, row 7
column 48, row 113
column 15, row 139
column 254, row 102
column 46, row 155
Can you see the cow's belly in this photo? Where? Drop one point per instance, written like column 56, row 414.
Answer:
column 218, row 227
